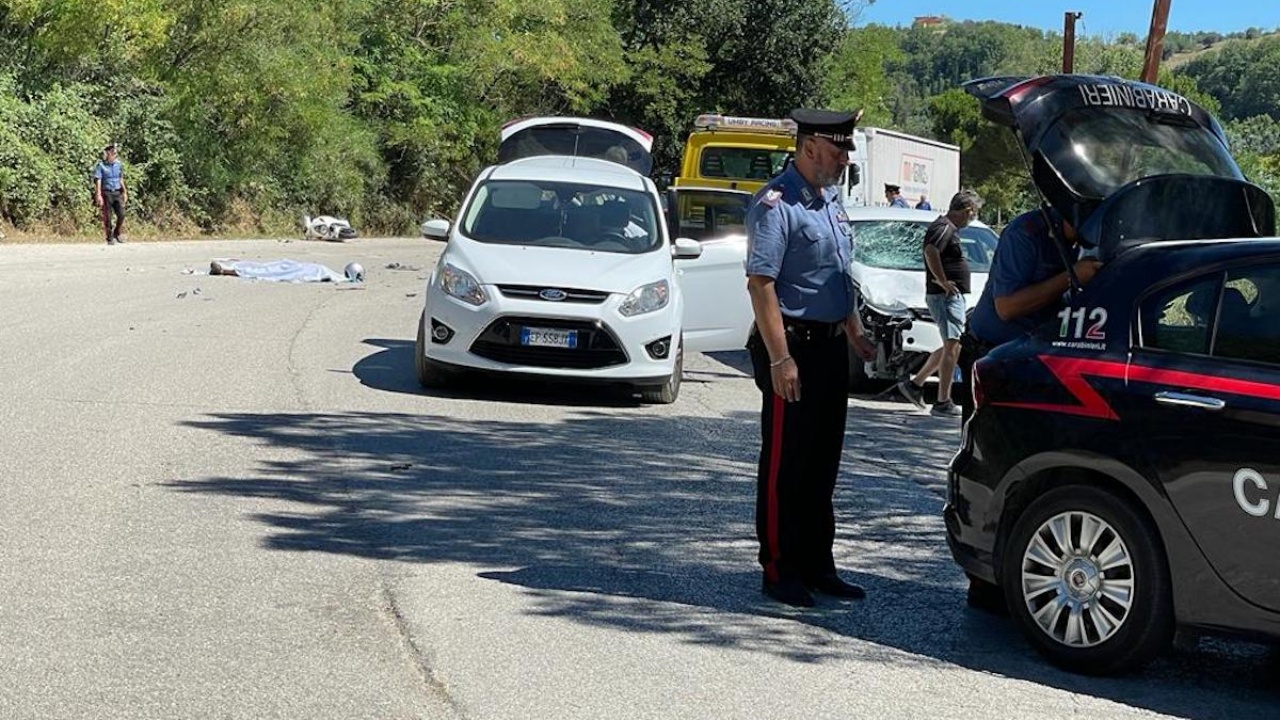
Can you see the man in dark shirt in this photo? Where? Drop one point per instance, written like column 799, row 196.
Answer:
column 947, row 282
column 1025, row 289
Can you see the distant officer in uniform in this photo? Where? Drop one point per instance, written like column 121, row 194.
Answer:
column 924, row 204
column 110, row 193
column 803, row 299
column 893, row 194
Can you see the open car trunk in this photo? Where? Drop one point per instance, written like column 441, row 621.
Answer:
column 577, row 137
column 1126, row 162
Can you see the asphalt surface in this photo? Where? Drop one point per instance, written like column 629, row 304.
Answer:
column 230, row 499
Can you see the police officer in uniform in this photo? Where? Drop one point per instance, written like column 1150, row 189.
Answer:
column 803, row 299
column 893, row 195
column 1026, row 287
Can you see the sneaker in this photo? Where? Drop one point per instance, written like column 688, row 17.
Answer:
column 946, row 409
column 912, row 392
column 111, row 241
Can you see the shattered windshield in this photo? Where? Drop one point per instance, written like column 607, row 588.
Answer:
column 899, row 244
column 563, row 215
column 1098, row 151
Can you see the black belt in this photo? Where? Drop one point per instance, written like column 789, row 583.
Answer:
column 973, row 344
column 809, row 330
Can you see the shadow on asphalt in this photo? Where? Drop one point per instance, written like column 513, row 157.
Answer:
column 612, row 517
column 391, row 370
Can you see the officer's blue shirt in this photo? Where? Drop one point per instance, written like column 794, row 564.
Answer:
column 923, row 206
column 1025, row 255
column 899, row 202
column 798, row 236
column 110, row 174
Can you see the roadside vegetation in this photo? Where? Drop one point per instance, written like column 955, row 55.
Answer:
column 236, row 117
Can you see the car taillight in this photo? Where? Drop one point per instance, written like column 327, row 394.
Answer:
column 976, row 380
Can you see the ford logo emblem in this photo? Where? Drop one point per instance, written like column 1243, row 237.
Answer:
column 553, row 294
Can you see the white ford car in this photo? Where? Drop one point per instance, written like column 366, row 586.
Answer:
column 560, row 265
column 888, row 267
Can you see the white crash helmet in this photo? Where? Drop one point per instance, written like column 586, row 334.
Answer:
column 354, row 272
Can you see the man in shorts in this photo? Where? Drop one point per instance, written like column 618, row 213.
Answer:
column 947, row 270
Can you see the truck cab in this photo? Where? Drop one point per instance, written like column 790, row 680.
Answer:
column 735, row 153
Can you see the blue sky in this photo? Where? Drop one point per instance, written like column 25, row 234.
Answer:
column 1101, row 17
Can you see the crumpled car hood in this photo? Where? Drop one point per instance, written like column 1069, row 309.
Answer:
column 900, row 291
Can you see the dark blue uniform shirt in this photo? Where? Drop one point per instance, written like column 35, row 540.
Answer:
column 109, row 174
column 798, row 236
column 1025, row 255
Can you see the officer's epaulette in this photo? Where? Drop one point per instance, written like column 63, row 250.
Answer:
column 771, row 197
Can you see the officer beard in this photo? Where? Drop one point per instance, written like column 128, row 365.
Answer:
column 827, row 179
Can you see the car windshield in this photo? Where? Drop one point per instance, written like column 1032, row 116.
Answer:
column 739, row 162
column 709, row 215
column 1098, row 151
column 563, row 215
column 899, row 244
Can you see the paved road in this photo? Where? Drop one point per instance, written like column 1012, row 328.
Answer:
column 230, row 499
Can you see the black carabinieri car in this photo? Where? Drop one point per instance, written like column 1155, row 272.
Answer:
column 1120, row 477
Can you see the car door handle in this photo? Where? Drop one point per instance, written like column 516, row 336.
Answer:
column 1199, row 402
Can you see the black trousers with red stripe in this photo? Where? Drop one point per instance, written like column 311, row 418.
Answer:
column 801, row 445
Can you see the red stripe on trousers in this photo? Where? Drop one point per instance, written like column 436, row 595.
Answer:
column 775, row 465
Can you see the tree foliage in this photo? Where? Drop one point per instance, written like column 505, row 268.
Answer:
column 248, row 113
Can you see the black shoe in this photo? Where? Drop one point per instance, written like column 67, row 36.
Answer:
column 120, row 240
column 912, row 392
column 789, row 593
column 835, row 587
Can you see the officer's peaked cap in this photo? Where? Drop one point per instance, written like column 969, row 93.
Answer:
column 891, row 188
column 833, row 125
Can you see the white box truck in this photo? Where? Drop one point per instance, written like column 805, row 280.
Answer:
column 917, row 165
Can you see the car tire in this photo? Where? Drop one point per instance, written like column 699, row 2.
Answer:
column 1073, row 558
column 429, row 373
column 666, row 393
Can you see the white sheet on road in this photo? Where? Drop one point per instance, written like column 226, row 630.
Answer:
column 282, row 271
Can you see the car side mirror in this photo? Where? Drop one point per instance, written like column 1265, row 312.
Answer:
column 686, row 249
column 436, row 229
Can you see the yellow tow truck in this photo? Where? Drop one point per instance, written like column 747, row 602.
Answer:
column 735, row 153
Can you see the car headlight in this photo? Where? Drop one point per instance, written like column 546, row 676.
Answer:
column 646, row 299
column 461, row 284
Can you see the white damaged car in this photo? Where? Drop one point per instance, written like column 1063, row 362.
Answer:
column 560, row 264
column 888, row 267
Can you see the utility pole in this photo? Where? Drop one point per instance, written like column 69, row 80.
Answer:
column 1069, row 41
column 1155, row 40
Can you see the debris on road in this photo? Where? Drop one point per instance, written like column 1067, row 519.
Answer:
column 327, row 227
column 398, row 266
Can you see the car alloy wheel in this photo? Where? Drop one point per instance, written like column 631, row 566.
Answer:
column 1077, row 579
column 1087, row 580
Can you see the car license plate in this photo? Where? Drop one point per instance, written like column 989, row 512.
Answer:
column 545, row 337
